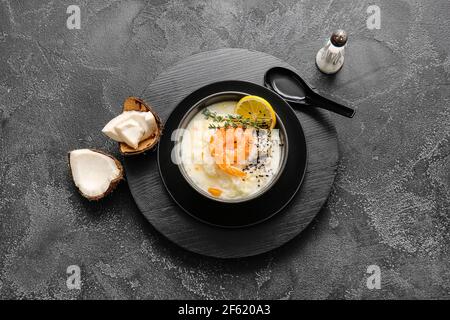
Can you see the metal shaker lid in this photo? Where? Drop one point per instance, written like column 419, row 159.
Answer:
column 339, row 38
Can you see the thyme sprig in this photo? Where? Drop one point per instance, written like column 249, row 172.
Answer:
column 231, row 121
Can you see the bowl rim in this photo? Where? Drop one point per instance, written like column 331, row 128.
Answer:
column 196, row 109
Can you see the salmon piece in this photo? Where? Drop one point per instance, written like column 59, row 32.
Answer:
column 231, row 170
column 216, row 146
column 230, row 143
column 230, row 147
column 215, row 192
column 243, row 142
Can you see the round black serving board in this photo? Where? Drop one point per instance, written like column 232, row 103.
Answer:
column 163, row 213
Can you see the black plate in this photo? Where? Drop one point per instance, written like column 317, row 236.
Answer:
column 234, row 214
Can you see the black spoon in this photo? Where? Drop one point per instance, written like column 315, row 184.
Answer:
column 292, row 88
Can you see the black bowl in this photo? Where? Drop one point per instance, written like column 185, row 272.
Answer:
column 197, row 108
column 260, row 206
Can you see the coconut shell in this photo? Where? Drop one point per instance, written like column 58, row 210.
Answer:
column 136, row 104
column 114, row 183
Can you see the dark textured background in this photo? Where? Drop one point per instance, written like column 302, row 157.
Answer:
column 389, row 205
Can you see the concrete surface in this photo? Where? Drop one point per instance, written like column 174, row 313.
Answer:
column 389, row 206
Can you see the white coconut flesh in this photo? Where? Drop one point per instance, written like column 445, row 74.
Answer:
column 93, row 172
column 151, row 122
column 130, row 132
column 125, row 127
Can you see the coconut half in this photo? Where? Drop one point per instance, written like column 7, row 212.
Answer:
column 136, row 104
column 94, row 172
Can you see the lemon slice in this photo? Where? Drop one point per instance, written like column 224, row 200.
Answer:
column 258, row 110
